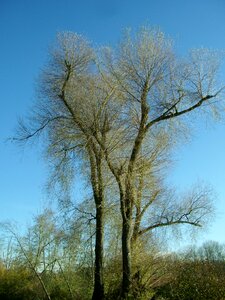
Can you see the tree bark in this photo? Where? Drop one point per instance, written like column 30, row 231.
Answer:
column 98, row 192
column 126, row 256
column 98, row 293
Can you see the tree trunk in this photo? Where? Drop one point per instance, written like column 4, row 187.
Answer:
column 98, row 192
column 98, row 293
column 126, row 255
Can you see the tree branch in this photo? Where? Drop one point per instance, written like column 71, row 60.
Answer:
column 169, row 115
column 162, row 224
column 35, row 132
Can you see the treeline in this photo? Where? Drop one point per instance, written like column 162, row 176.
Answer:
column 52, row 261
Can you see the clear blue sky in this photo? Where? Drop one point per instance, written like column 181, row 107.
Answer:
column 27, row 28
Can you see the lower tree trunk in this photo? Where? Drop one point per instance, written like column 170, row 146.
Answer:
column 98, row 293
column 126, row 255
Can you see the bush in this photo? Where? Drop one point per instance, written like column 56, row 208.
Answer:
column 17, row 284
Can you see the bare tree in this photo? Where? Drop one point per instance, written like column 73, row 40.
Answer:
column 32, row 264
column 68, row 111
column 154, row 87
column 120, row 115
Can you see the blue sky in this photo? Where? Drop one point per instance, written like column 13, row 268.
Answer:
column 27, row 29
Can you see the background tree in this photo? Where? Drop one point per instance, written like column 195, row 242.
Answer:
column 52, row 257
column 194, row 276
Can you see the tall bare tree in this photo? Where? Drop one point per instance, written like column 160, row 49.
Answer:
column 156, row 90
column 120, row 114
column 68, row 112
